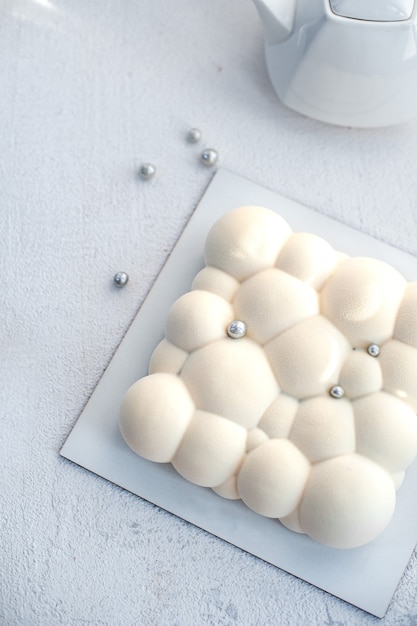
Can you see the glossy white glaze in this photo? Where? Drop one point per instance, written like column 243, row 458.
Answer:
column 253, row 417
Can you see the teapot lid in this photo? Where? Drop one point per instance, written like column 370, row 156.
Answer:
column 373, row 10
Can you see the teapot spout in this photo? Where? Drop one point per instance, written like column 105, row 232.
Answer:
column 277, row 17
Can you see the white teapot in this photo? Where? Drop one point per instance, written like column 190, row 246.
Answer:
column 346, row 62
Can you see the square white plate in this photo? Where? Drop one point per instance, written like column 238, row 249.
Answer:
column 366, row 577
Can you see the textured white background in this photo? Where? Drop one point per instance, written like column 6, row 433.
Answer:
column 88, row 90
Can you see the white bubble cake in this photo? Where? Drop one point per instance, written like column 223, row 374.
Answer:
column 287, row 378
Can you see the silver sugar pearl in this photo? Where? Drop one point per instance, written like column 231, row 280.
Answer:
column 209, row 157
column 147, row 171
column 337, row 392
column 236, row 329
column 120, row 279
column 194, row 135
column 374, row 349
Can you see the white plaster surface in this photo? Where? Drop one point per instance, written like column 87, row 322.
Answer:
column 88, row 91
